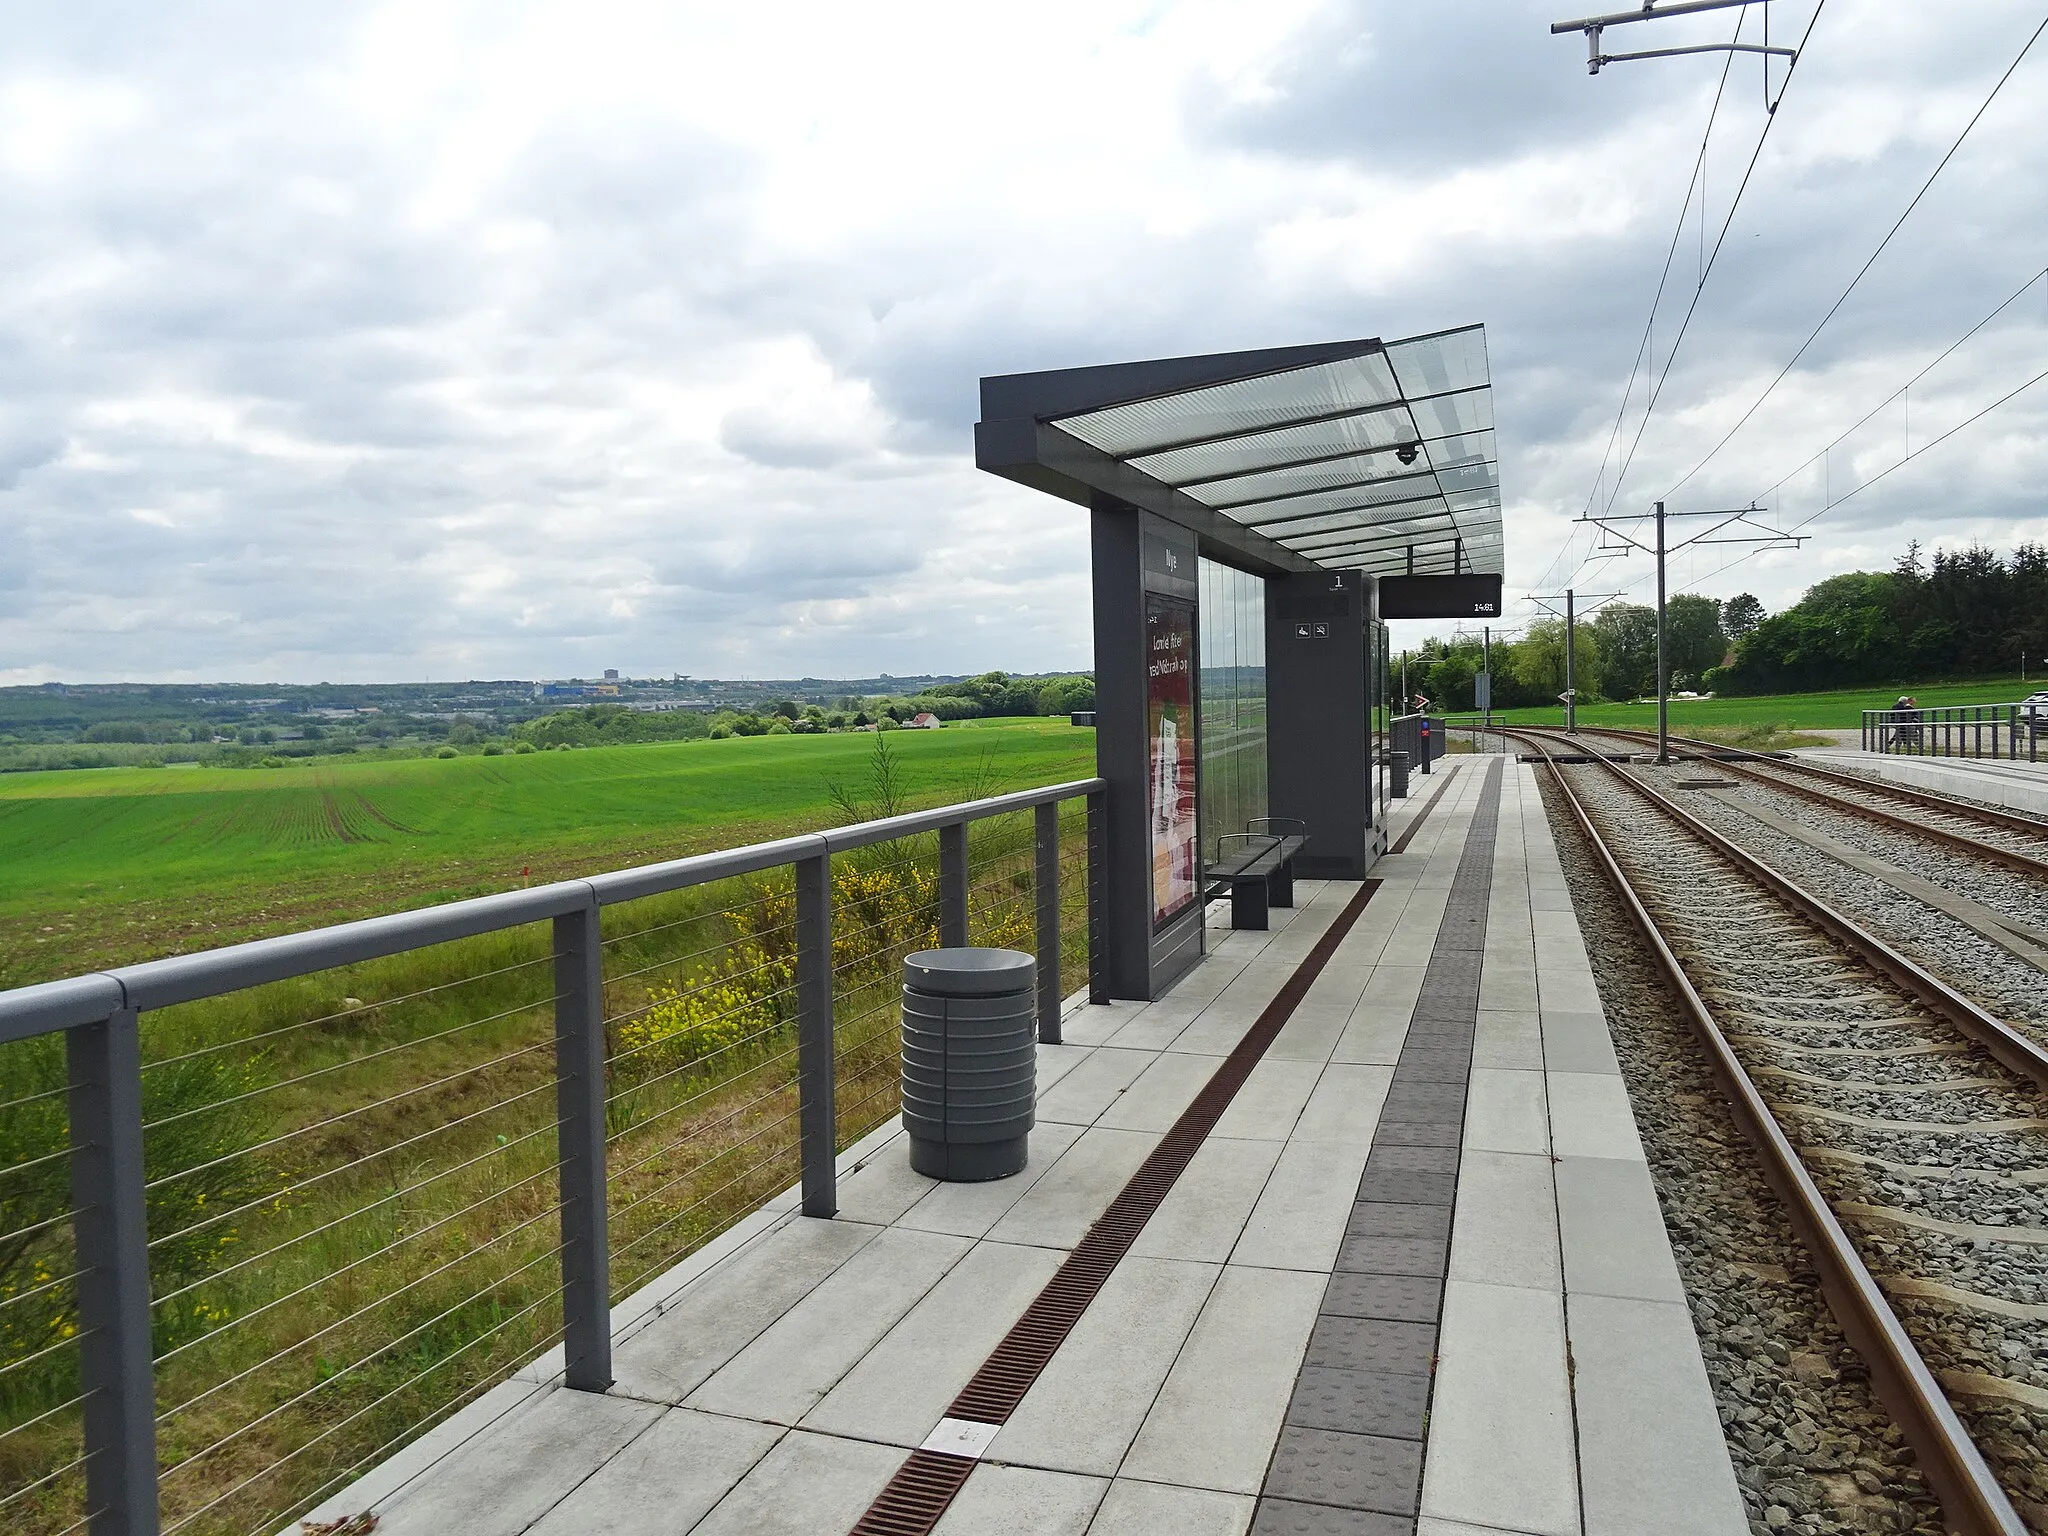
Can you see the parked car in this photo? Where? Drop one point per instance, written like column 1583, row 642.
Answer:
column 2034, row 714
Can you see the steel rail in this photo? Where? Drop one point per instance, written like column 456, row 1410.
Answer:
column 1740, row 758
column 2018, row 1052
column 1973, row 1503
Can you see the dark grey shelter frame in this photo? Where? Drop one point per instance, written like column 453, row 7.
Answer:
column 1318, row 468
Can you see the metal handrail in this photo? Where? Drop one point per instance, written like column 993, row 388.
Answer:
column 98, row 1014
column 1958, row 730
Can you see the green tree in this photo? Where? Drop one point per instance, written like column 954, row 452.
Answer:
column 1741, row 614
column 1627, row 637
column 1693, row 638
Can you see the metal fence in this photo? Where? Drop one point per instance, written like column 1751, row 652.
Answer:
column 2009, row 731
column 269, row 1212
column 1475, row 732
column 1422, row 737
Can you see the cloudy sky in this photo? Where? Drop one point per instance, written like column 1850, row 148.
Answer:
column 431, row 340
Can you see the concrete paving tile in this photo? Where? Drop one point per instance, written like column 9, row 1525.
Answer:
column 1133, row 1508
column 1392, row 1255
column 719, row 1314
column 1085, row 1409
column 1217, row 1030
column 901, row 1387
column 1578, row 1042
column 809, row 1485
column 1504, row 1231
column 1093, row 1023
column 1345, row 1105
column 1374, row 1034
column 884, row 1187
column 1056, row 1061
column 1215, row 1420
column 1093, row 1086
column 971, row 1209
column 1361, row 1402
column 1299, row 1220
column 1500, row 1425
column 1308, row 1037
column 665, row 1481
column 1057, row 1211
column 1560, row 927
column 1372, row 1344
column 1590, row 1117
column 504, row 1480
column 1504, row 989
column 1651, row 1452
column 1612, row 1230
column 1281, row 1517
column 1270, row 1101
column 1155, row 1100
column 1208, row 1206
column 1374, row 1219
column 1570, row 992
column 1022, row 1501
column 1406, row 1159
column 1506, row 1111
column 1397, row 981
column 1321, row 1466
column 800, row 1357
column 1508, row 1039
column 497, row 1408
column 1429, row 1527
column 1406, row 1185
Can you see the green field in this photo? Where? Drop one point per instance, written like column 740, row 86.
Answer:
column 104, row 866
column 1794, row 711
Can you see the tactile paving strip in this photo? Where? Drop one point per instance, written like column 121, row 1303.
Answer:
column 1349, row 1459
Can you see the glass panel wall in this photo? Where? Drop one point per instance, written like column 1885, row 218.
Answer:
column 1233, row 702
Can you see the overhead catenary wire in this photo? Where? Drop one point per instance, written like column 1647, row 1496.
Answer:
column 1869, row 262
column 1713, row 258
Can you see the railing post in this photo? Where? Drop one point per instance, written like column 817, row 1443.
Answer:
column 817, row 1093
column 1098, row 897
column 579, row 1139
column 953, row 885
column 111, row 1229
column 1046, row 886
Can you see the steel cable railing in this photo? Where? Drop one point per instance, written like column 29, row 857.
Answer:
column 279, row 1207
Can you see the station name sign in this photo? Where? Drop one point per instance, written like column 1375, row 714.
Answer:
column 1440, row 597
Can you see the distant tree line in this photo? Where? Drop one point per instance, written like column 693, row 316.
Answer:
column 1962, row 614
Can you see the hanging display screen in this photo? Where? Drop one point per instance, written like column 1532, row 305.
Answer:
column 1170, row 735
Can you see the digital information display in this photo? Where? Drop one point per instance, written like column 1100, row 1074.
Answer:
column 1170, row 735
column 1440, row 597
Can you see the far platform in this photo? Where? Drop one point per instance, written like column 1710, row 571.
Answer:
column 2021, row 785
column 1317, row 1332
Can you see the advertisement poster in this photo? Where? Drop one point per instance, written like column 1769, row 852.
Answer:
column 1170, row 728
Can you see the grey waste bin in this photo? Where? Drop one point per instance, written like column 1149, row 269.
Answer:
column 1397, row 775
column 970, row 1054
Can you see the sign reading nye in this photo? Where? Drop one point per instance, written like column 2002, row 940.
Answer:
column 1170, row 727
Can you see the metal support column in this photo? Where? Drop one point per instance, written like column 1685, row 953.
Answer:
column 112, row 1234
column 1046, row 829
column 579, row 1138
column 1663, row 671
column 1571, row 677
column 817, row 1095
column 953, row 886
column 1098, row 897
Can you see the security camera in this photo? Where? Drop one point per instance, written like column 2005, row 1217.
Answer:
column 1407, row 452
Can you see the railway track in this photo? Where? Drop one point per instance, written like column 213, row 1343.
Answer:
column 1904, row 1127
column 2009, row 838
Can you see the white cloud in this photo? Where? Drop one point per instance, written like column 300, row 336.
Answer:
column 404, row 339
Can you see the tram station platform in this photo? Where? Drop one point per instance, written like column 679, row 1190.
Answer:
column 2023, row 786
column 1414, row 1280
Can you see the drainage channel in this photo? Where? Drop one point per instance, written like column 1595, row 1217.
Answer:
column 918, row 1495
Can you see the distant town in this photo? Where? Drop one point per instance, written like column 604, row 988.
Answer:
column 103, row 725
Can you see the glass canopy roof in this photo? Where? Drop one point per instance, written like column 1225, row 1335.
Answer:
column 1351, row 462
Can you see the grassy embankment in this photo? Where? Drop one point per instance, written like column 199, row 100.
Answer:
column 353, row 1173
column 1772, row 719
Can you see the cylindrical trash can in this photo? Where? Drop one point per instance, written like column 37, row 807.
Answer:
column 970, row 1054
column 1397, row 775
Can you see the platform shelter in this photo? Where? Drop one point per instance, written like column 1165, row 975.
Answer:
column 1245, row 509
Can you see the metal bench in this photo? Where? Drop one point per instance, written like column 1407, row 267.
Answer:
column 1258, row 876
